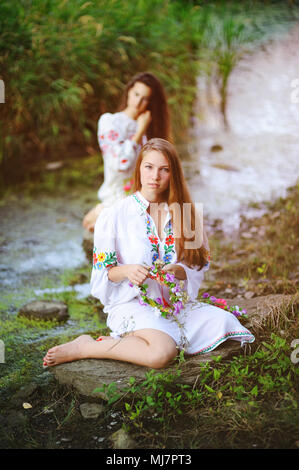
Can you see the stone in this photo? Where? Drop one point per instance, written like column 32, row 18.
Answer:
column 87, row 244
column 87, row 375
column 216, row 148
column 246, row 235
column 25, row 391
column 249, row 294
column 91, row 410
column 45, row 310
column 121, row 440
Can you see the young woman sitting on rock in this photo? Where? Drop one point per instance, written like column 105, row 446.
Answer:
column 157, row 222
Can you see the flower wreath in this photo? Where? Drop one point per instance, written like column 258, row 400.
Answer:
column 177, row 296
column 222, row 303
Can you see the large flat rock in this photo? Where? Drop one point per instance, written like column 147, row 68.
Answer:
column 86, row 375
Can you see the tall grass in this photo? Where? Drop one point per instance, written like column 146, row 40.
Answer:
column 66, row 62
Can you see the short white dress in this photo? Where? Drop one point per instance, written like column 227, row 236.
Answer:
column 126, row 234
column 115, row 132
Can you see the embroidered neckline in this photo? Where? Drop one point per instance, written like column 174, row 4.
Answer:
column 151, row 231
column 141, row 204
column 169, row 242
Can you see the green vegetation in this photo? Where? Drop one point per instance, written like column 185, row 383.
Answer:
column 245, row 402
column 67, row 62
column 27, row 340
column 266, row 263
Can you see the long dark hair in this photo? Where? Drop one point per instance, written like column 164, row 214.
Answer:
column 176, row 196
column 160, row 123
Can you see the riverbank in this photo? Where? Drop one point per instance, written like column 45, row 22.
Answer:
column 249, row 401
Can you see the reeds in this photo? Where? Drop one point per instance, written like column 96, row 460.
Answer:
column 65, row 63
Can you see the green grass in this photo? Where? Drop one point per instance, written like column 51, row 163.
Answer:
column 267, row 263
column 245, row 402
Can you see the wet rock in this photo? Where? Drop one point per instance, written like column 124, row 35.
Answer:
column 25, row 392
column 87, row 375
column 224, row 166
column 45, row 310
column 216, row 148
column 91, row 410
column 249, row 294
column 122, row 440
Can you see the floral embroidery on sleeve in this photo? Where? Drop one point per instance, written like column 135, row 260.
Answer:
column 105, row 259
column 112, row 135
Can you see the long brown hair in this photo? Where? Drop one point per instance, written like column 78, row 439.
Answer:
column 177, row 195
column 160, row 123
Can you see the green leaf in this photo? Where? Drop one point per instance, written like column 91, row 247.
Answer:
column 254, row 391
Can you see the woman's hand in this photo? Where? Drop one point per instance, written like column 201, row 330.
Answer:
column 136, row 273
column 178, row 271
column 143, row 121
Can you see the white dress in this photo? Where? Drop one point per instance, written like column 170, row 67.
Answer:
column 115, row 132
column 126, row 234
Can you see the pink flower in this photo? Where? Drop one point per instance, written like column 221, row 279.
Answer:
column 169, row 277
column 177, row 307
column 221, row 303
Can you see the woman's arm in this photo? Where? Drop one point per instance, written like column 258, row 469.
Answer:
column 136, row 273
column 143, row 122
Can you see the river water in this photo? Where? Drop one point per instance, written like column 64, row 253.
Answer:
column 260, row 156
column 257, row 161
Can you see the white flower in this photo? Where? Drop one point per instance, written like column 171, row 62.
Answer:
column 157, row 312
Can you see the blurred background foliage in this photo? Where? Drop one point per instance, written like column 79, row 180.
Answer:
column 65, row 62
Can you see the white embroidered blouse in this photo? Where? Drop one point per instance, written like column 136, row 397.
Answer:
column 126, row 234
column 115, row 132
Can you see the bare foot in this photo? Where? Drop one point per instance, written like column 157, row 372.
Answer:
column 72, row 351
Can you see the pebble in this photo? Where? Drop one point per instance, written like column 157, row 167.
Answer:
column 45, row 310
column 249, row 294
column 91, row 410
column 246, row 235
column 122, row 440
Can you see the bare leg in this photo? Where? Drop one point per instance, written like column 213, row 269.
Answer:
column 91, row 217
column 148, row 347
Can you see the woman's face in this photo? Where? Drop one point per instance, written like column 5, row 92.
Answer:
column 138, row 98
column 154, row 175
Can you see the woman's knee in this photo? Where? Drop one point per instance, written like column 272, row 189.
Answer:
column 161, row 356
